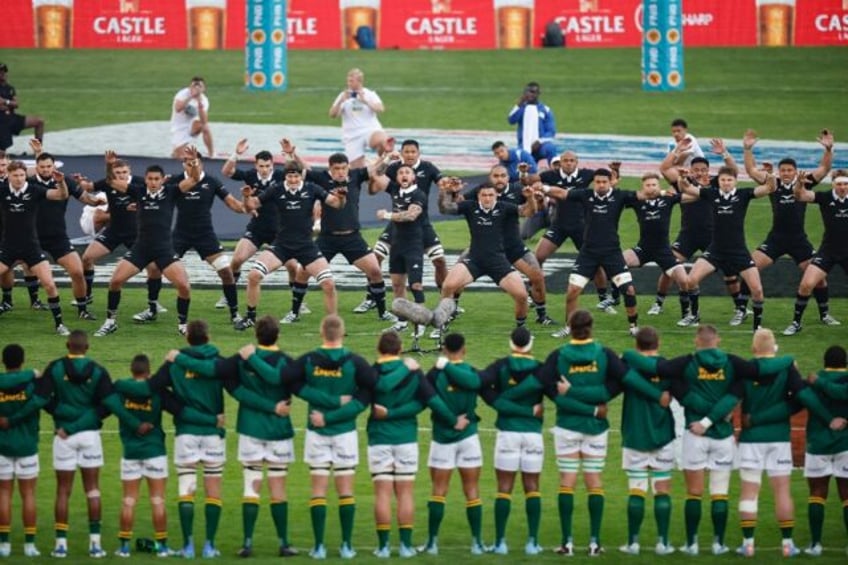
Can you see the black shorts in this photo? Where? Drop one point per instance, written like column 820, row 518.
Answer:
column 205, row 244
column 259, row 236
column 15, row 122
column 515, row 252
column 142, row 255
column 430, row 238
column 351, row 246
column 557, row 235
column 827, row 262
column 729, row 263
column 305, row 253
column 29, row 256
column 688, row 242
column 409, row 262
column 776, row 246
column 495, row 267
column 587, row 263
column 56, row 247
column 386, row 234
column 662, row 256
column 111, row 239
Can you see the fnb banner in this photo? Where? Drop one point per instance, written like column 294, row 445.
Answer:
column 265, row 53
column 662, row 45
column 414, row 24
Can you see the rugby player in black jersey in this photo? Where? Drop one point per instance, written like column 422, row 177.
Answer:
column 728, row 250
column 19, row 203
column 52, row 230
column 833, row 206
column 788, row 235
column 294, row 200
column 155, row 204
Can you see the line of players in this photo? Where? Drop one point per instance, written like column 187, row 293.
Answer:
column 712, row 221
column 581, row 378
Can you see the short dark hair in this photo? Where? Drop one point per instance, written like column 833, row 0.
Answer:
column 533, row 84
column 788, row 161
column 16, row 165
column 581, row 322
column 454, row 342
column 119, row 163
column 698, row 160
column 140, row 365
column 728, row 171
column 293, row 167
column 410, row 142
column 498, row 144
column 647, row 339
column 834, row 357
column 198, row 79
column 154, row 169
column 267, row 330
column 389, row 343
column 45, row 157
column 338, row 159
column 197, row 332
column 520, row 336
column 264, row 155
column 332, row 327
column 602, row 173
column 679, row 122
column 78, row 341
column 13, row 356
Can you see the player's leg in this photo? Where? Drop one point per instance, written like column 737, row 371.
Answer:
column 470, row 477
column 345, row 458
column 529, row 266
column 7, row 483
column 751, row 276
column 277, row 472
column 266, row 263
column 320, row 269
column 123, row 272
column 27, row 490
column 567, row 449
column 130, row 490
column 593, row 451
column 252, row 472
column 245, row 249
column 157, row 489
column 784, row 509
column 92, row 454
column 221, row 263
column 214, row 458
column 72, row 264
column 176, row 273
column 512, row 284
column 748, row 504
column 42, row 272
column 318, row 456
column 532, row 458
column 93, row 253
column 700, row 270
column 381, row 466
column 813, row 275
column 507, row 463
column 406, row 467
column 661, row 485
column 369, row 265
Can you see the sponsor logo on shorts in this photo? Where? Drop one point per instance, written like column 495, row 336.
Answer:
column 784, row 462
column 346, row 456
column 407, row 462
column 28, row 465
column 598, row 446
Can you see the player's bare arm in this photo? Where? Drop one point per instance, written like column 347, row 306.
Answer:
column 825, row 138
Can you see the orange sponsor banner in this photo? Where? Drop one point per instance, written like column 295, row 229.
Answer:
column 437, row 24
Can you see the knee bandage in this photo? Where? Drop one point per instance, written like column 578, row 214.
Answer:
column 252, row 481
column 322, row 470
column 751, row 476
column 387, row 477
column 275, row 471
column 748, row 506
column 629, row 299
column 577, row 280
column 404, row 477
column 719, row 482
column 568, row 465
column 186, row 481
column 93, row 493
column 435, row 252
column 344, row 471
column 637, row 481
column 621, row 280
column 260, row 268
column 658, row 477
column 381, row 249
column 221, row 262
column 325, row 275
column 157, row 501
column 212, row 470
column 129, row 501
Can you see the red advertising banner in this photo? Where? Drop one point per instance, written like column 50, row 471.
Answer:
column 314, row 24
column 719, row 23
column 821, row 22
column 591, row 23
column 437, row 24
column 133, row 23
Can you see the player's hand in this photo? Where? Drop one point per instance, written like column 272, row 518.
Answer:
column 282, row 408
column 539, row 411
column 812, row 378
column 749, row 139
column 563, row 386
column 192, row 154
column 746, row 420
column 4, row 423
column 246, row 351
column 768, row 167
column 683, row 146
column 601, row 411
column 802, row 178
column 665, row 399
column 379, row 412
column 221, row 421
column 441, row 362
column 110, row 156
column 344, row 399
column 242, row 146
column 287, row 146
column 58, row 176
column 615, row 166
column 34, row 144
column 838, row 424
column 462, row 422
column 697, row 428
column 381, row 214
column 826, row 139
column 717, row 146
column 411, row 364
column 171, row 356
column 62, row 433
column 523, row 167
column 143, row 429
column 316, row 419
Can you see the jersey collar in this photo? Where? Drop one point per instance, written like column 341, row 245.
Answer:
column 836, row 197
column 727, row 195
column 292, row 190
column 26, row 185
column 202, row 176
column 409, row 190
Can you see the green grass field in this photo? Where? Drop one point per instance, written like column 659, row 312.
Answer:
column 773, row 90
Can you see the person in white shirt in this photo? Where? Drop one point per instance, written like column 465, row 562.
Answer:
column 679, row 132
column 358, row 107
column 190, row 118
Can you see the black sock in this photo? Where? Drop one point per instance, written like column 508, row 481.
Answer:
column 822, row 295
column 154, row 286
column 683, row 297
column 298, row 294
column 113, row 300
column 660, row 298
column 182, row 309
column 694, row 296
column 55, row 309
column 377, row 292
column 800, row 306
column 32, row 288
column 232, row 298
column 89, row 281
column 757, row 307
column 251, row 313
column 7, row 295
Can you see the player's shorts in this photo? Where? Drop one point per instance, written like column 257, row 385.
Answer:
column 775, row 458
column 409, row 262
column 352, row 246
column 701, row 452
column 545, row 150
column 519, row 451
column 305, row 253
column 190, row 449
column 835, row 464
column 181, row 133
column 463, row 454
column 142, row 255
column 56, row 247
column 587, row 263
column 662, row 256
column 82, row 449
column 111, row 239
column 151, row 468
column 827, row 262
column 206, row 244
column 797, row 247
column 729, row 263
column 569, row 442
column 259, row 236
column 253, row 450
column 401, row 459
column 19, row 467
column 557, row 235
column 429, row 236
column 496, row 267
column 340, row 450
column 688, row 242
column 355, row 145
column 516, row 252
column 386, row 234
column 661, row 459
column 30, row 256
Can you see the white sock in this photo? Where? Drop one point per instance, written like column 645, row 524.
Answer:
column 94, row 539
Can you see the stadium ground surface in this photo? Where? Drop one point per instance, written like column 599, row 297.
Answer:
column 593, row 93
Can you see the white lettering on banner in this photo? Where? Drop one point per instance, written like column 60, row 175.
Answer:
column 278, row 58
column 441, row 26
column 832, row 22
column 701, row 19
column 673, row 14
column 279, row 14
column 129, row 25
column 258, row 56
column 303, row 26
column 591, row 25
column 653, row 15
column 258, row 16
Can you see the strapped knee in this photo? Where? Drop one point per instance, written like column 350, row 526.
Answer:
column 324, row 276
column 186, row 482
column 637, row 482
column 386, row 477
column 658, row 477
column 748, row 506
column 719, row 482
column 221, row 262
column 568, row 465
column 93, row 493
column 252, row 481
column 435, row 252
column 381, row 249
column 260, row 269
column 212, row 470
column 321, row 470
column 751, row 476
column 276, row 471
column 344, row 471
